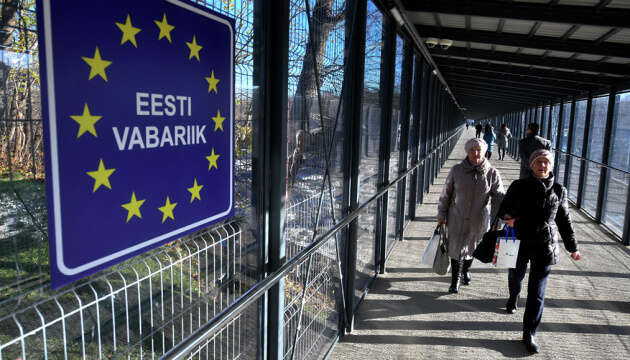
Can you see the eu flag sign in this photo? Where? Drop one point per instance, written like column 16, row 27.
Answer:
column 138, row 104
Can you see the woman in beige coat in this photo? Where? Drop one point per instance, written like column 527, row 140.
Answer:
column 469, row 187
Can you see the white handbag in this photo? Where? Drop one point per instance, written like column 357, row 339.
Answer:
column 429, row 253
column 506, row 251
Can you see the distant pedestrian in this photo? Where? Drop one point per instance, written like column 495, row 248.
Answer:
column 463, row 208
column 478, row 128
column 537, row 208
column 502, row 140
column 490, row 138
column 530, row 143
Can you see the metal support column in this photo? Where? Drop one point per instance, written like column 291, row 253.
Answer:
column 558, row 144
column 353, row 76
column 549, row 128
column 424, row 107
column 386, row 94
column 418, row 83
column 585, row 148
column 567, row 164
column 406, row 84
column 604, row 174
column 271, row 27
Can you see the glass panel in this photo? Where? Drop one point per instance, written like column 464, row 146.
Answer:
column 544, row 121
column 595, row 147
column 394, row 147
column 615, row 201
column 313, row 131
column 566, row 118
column 370, row 143
column 617, row 182
column 576, row 149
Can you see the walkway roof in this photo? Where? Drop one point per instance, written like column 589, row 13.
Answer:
column 508, row 54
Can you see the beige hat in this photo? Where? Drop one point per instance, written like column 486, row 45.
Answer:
column 541, row 153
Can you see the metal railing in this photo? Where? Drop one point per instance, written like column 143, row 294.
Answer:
column 591, row 161
column 215, row 325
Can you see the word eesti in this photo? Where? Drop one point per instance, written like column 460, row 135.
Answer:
column 154, row 137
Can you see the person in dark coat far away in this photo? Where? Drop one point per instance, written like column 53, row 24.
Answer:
column 530, row 143
column 463, row 207
column 478, row 129
column 537, row 208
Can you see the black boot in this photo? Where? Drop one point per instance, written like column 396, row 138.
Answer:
column 465, row 274
column 511, row 306
column 530, row 343
column 456, row 274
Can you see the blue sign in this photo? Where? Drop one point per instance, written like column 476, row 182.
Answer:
column 138, row 107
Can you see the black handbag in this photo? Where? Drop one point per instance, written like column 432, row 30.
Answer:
column 484, row 252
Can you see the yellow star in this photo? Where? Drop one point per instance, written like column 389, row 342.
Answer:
column 165, row 28
column 218, row 121
column 194, row 49
column 194, row 191
column 97, row 65
column 212, row 160
column 167, row 210
column 86, row 121
column 133, row 207
column 212, row 81
column 129, row 32
column 101, row 176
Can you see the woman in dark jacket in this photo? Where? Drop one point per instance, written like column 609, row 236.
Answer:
column 537, row 208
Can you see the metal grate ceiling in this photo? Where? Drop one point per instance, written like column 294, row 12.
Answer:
column 567, row 47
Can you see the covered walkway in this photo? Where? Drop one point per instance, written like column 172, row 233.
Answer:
column 409, row 314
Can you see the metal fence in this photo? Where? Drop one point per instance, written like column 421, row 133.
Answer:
column 143, row 307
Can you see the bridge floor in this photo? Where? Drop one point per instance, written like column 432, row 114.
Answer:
column 409, row 314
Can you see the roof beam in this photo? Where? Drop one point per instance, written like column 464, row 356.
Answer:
column 566, row 14
column 457, row 72
column 513, row 94
column 466, row 97
column 617, row 69
column 529, row 40
column 534, row 73
column 500, row 85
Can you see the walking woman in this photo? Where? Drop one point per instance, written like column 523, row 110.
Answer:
column 537, row 208
column 469, row 186
column 502, row 140
column 490, row 138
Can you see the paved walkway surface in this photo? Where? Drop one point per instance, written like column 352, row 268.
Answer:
column 409, row 314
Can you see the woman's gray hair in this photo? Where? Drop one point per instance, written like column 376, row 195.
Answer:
column 476, row 142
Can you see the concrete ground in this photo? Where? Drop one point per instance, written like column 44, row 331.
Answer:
column 409, row 314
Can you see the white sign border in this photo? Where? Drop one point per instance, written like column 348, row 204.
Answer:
column 54, row 159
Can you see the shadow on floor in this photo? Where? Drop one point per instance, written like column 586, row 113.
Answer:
column 516, row 326
column 474, row 270
column 508, row 348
